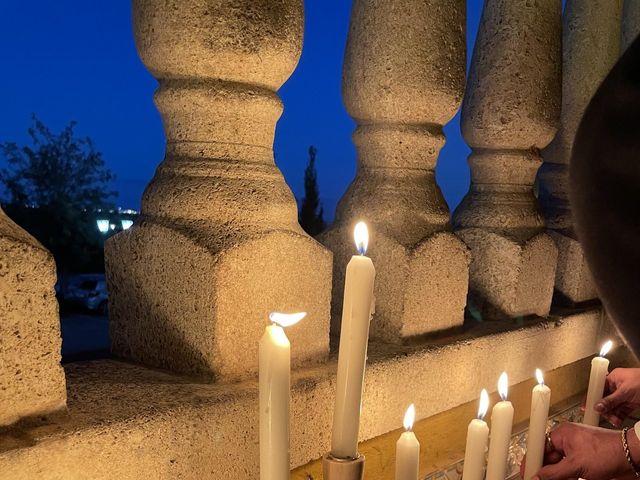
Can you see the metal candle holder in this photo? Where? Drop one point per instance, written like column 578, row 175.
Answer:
column 342, row 468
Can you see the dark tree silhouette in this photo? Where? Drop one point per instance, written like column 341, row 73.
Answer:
column 311, row 210
column 54, row 187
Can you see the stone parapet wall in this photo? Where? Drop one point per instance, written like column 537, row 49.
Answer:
column 129, row 422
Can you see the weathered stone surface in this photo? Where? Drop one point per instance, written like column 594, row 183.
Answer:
column 510, row 110
column 403, row 79
column 573, row 277
column 591, row 37
column 31, row 379
column 129, row 422
column 217, row 245
column 511, row 278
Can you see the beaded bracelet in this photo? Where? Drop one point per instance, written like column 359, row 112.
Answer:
column 627, row 453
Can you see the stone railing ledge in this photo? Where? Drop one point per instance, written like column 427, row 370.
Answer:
column 135, row 422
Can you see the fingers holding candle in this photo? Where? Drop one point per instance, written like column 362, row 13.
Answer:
column 597, row 379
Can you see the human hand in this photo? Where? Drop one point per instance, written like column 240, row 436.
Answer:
column 582, row 451
column 622, row 395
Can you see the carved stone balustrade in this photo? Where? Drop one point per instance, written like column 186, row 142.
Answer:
column 510, row 111
column 32, row 381
column 591, row 45
column 403, row 79
column 217, row 245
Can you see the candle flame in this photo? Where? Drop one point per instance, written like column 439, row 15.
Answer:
column 286, row 319
column 409, row 418
column 484, row 404
column 503, row 385
column 361, row 236
column 605, row 348
column 539, row 376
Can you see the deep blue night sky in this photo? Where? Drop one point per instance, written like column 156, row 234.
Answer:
column 76, row 60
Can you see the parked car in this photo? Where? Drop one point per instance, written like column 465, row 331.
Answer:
column 88, row 291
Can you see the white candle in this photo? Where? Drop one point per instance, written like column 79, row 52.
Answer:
column 352, row 354
column 536, row 437
column 408, row 449
column 477, row 439
column 501, row 424
column 274, row 384
column 599, row 371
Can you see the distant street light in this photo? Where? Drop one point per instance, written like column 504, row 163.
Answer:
column 126, row 224
column 103, row 225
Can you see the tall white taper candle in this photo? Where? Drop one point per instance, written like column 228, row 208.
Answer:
column 352, row 354
column 597, row 379
column 274, row 392
column 536, row 437
column 500, row 437
column 408, row 449
column 477, row 439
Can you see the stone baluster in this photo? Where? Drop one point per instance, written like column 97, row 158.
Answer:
column 403, row 79
column 510, row 111
column 217, row 246
column 591, row 45
column 630, row 23
column 32, row 381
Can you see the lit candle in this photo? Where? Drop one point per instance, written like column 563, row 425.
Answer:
column 501, row 424
column 408, row 449
column 536, row 438
column 274, row 383
column 357, row 307
column 477, row 437
column 599, row 371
